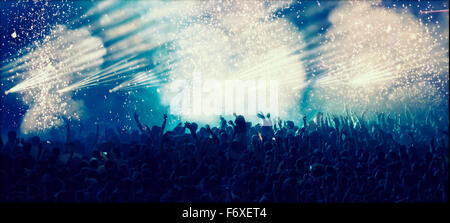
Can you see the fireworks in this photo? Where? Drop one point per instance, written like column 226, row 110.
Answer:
column 48, row 66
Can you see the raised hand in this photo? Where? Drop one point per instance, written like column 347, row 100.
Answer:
column 193, row 127
column 136, row 118
column 208, row 128
column 304, row 121
column 190, row 126
column 260, row 115
column 164, row 124
column 319, row 116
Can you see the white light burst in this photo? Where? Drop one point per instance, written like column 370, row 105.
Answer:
column 378, row 57
column 237, row 40
column 51, row 64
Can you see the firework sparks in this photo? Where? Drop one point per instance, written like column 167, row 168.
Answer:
column 50, row 66
column 238, row 40
column 370, row 61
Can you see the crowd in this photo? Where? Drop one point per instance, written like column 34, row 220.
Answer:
column 327, row 159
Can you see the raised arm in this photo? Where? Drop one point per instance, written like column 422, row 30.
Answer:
column 136, row 118
column 266, row 122
column 269, row 120
column 212, row 133
column 360, row 120
column 304, row 121
column 192, row 128
column 261, row 115
column 319, row 116
column 232, row 123
column 163, row 125
column 223, row 123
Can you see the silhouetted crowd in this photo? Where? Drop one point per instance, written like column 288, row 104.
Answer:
column 351, row 158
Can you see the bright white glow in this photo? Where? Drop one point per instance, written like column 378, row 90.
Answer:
column 237, row 40
column 380, row 52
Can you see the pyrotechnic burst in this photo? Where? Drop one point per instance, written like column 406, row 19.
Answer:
column 49, row 65
column 379, row 59
column 236, row 40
